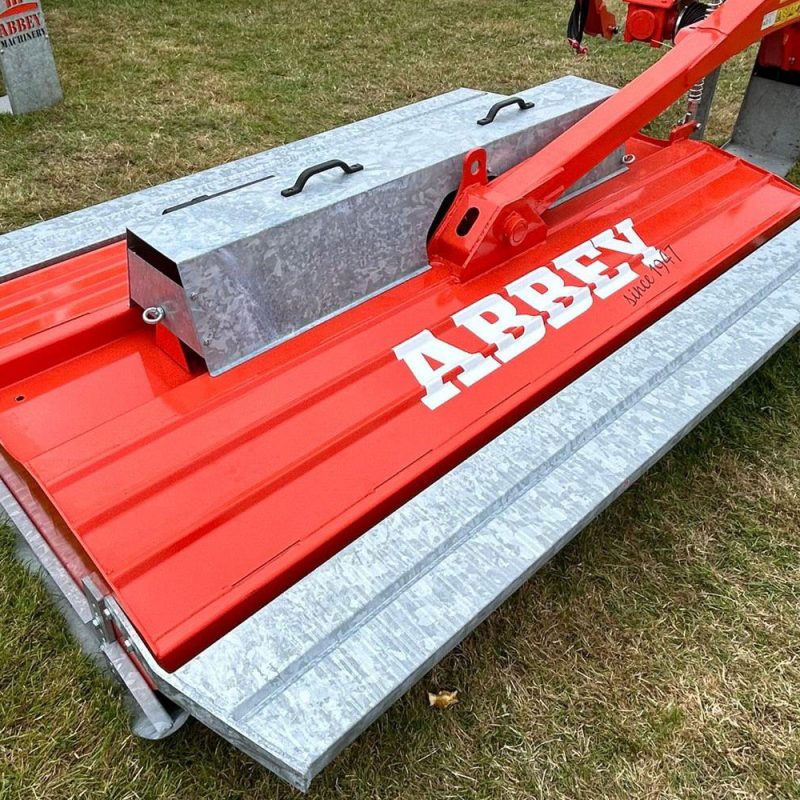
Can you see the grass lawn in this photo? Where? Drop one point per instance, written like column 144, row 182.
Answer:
column 658, row 656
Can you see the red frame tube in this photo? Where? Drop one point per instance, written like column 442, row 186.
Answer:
column 490, row 222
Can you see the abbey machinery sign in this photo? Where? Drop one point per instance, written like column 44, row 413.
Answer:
column 26, row 59
column 20, row 21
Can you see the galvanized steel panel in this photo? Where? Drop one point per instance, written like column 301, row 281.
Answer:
column 43, row 243
column 28, row 248
column 298, row 680
column 258, row 267
column 767, row 130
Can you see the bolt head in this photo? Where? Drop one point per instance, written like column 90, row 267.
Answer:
column 515, row 229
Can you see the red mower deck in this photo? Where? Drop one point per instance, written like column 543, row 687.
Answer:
column 199, row 500
column 220, row 499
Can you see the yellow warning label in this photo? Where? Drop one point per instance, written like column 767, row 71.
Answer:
column 780, row 16
column 787, row 13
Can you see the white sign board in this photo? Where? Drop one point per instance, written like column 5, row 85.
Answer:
column 26, row 58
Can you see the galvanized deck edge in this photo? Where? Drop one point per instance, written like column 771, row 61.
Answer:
column 33, row 551
column 43, row 243
column 149, row 718
column 300, row 679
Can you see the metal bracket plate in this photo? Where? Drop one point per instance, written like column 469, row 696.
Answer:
column 767, row 130
column 101, row 616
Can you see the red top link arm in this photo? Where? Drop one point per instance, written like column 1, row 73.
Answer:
column 489, row 222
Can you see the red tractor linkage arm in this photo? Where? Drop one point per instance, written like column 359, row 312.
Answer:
column 490, row 222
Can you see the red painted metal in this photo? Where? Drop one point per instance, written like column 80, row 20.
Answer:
column 600, row 21
column 199, row 499
column 781, row 50
column 532, row 186
column 63, row 293
column 650, row 21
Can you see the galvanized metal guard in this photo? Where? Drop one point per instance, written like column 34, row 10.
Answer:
column 231, row 271
column 767, row 130
column 301, row 678
column 26, row 58
column 150, row 719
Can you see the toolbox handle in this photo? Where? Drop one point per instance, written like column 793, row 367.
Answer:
column 509, row 101
column 303, row 177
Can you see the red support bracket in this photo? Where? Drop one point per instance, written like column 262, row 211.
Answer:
column 488, row 222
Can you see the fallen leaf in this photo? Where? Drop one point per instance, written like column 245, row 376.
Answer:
column 443, row 699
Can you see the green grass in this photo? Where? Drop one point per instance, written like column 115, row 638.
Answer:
column 656, row 657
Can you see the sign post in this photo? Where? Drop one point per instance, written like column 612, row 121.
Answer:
column 26, row 58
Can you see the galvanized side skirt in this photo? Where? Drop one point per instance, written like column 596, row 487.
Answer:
column 302, row 677
column 86, row 620
column 767, row 130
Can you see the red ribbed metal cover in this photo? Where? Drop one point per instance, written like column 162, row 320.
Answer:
column 199, row 499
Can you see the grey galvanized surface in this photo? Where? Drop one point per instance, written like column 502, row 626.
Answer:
column 27, row 65
column 258, row 267
column 26, row 249
column 767, row 130
column 299, row 679
column 150, row 719
column 29, row 248
column 152, row 289
column 34, row 551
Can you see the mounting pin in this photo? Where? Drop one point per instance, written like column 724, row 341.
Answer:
column 515, row 229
